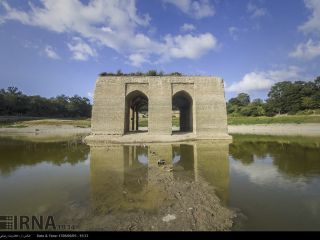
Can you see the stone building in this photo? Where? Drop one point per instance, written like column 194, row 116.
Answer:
column 118, row 100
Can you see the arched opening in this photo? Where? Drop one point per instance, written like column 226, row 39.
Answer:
column 136, row 112
column 182, row 112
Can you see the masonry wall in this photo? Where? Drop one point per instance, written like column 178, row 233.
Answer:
column 210, row 107
column 207, row 93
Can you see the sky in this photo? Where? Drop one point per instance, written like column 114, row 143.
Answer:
column 53, row 47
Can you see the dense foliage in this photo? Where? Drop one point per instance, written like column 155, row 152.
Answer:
column 13, row 102
column 283, row 98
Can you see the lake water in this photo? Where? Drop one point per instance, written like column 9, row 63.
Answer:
column 273, row 183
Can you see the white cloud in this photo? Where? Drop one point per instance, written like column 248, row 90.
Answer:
column 80, row 50
column 263, row 80
column 255, row 11
column 313, row 23
column 188, row 46
column 50, row 53
column 197, row 9
column 235, row 32
column 308, row 50
column 114, row 24
column 137, row 59
column 262, row 172
column 187, row 27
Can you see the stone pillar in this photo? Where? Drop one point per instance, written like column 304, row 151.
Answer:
column 137, row 120
column 183, row 120
column 160, row 106
column 132, row 119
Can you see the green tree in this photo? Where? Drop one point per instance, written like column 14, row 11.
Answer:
column 14, row 102
column 255, row 108
column 79, row 106
column 243, row 99
column 291, row 97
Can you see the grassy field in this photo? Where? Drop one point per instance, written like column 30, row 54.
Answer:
column 257, row 120
column 313, row 142
column 277, row 119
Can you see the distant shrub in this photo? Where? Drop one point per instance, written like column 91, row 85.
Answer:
column 152, row 73
column 175, row 74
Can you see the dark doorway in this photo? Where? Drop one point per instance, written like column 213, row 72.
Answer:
column 136, row 112
column 182, row 119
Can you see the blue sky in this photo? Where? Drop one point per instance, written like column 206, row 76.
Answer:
column 51, row 47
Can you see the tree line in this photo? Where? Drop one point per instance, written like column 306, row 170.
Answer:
column 283, row 98
column 14, row 103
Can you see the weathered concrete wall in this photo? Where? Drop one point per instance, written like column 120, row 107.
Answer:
column 160, row 108
column 108, row 106
column 210, row 107
column 209, row 117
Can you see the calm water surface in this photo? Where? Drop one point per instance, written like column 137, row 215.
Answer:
column 273, row 182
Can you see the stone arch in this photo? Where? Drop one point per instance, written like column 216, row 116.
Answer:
column 183, row 101
column 135, row 102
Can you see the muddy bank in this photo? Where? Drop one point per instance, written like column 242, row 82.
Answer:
column 45, row 133
column 168, row 205
column 46, row 129
column 306, row 129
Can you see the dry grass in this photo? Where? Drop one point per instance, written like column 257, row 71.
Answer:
column 22, row 122
column 59, row 122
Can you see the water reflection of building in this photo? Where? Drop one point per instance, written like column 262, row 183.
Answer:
column 213, row 166
column 122, row 177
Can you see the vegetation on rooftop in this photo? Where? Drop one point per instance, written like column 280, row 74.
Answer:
column 148, row 73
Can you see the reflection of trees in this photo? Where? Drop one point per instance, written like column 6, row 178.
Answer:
column 296, row 160
column 242, row 152
column 16, row 153
column 245, row 151
column 290, row 158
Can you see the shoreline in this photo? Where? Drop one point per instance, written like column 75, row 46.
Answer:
column 287, row 129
